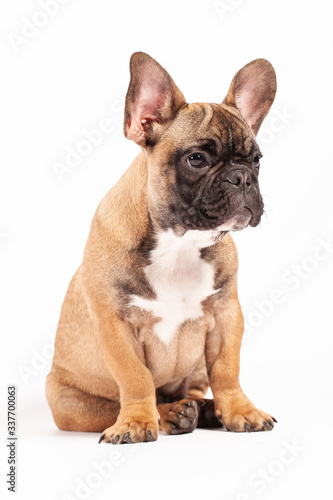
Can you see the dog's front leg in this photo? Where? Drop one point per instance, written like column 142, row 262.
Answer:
column 232, row 407
column 138, row 417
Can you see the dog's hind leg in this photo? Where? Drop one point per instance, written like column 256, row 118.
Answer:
column 198, row 386
column 75, row 410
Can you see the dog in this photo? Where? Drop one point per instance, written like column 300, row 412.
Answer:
column 151, row 318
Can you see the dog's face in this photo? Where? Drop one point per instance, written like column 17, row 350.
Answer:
column 205, row 170
column 203, row 158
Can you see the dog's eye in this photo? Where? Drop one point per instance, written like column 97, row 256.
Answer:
column 256, row 161
column 196, row 160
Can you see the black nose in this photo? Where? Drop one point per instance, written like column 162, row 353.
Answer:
column 240, row 178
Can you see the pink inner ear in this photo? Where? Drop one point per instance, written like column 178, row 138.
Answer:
column 254, row 90
column 247, row 101
column 146, row 109
column 152, row 98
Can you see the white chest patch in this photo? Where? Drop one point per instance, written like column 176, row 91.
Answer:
column 180, row 279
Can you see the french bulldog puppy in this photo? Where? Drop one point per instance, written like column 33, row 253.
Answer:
column 151, row 318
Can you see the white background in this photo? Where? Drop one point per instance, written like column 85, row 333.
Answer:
column 66, row 78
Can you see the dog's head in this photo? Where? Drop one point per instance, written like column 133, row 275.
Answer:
column 203, row 159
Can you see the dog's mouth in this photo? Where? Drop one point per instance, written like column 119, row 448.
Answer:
column 239, row 220
column 227, row 213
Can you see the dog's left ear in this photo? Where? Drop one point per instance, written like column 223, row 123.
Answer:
column 152, row 100
column 252, row 92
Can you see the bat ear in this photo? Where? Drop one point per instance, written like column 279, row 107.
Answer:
column 152, row 100
column 252, row 92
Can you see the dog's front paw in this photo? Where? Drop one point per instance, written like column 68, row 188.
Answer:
column 130, row 432
column 238, row 417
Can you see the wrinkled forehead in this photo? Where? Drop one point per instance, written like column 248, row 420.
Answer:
column 217, row 126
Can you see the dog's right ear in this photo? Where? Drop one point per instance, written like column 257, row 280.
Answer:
column 152, row 101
